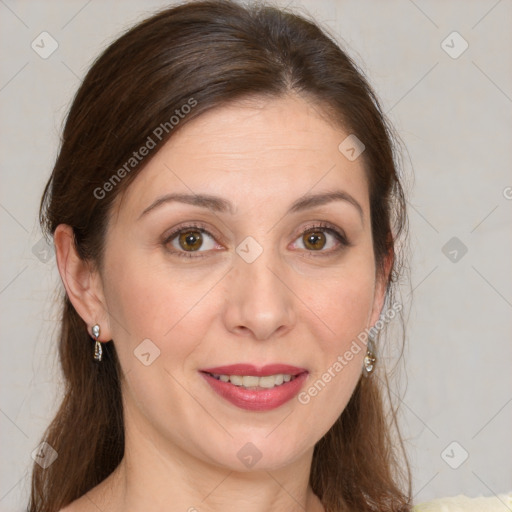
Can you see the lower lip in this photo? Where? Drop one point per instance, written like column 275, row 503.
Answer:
column 257, row 400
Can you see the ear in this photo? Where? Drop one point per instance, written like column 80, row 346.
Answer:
column 82, row 283
column 381, row 284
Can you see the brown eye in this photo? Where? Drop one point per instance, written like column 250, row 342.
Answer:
column 190, row 240
column 323, row 239
column 314, row 240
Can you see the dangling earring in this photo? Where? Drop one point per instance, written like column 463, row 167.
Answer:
column 369, row 359
column 98, row 351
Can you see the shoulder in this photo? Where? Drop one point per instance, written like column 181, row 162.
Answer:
column 465, row 504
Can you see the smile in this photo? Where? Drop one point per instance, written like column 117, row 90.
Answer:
column 253, row 382
column 257, row 389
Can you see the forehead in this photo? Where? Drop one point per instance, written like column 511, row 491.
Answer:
column 252, row 152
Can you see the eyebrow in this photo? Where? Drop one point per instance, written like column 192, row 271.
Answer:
column 217, row 204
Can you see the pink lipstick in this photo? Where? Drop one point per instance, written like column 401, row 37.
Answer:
column 256, row 388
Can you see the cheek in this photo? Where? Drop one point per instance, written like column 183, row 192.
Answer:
column 158, row 320
column 343, row 348
column 343, row 304
column 153, row 303
column 338, row 355
column 344, row 308
column 342, row 313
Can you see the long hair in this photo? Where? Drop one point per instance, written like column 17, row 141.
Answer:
column 205, row 54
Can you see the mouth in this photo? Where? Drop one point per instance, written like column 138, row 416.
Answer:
column 256, row 388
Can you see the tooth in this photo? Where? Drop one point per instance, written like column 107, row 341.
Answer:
column 237, row 380
column 250, row 381
column 267, row 382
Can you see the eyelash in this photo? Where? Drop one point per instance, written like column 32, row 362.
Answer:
column 324, row 226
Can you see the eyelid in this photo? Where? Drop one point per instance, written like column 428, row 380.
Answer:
column 327, row 226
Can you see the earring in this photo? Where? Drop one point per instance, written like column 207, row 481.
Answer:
column 369, row 359
column 98, row 351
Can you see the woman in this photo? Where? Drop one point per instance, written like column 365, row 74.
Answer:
column 226, row 213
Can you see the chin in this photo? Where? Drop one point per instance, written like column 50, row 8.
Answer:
column 244, row 453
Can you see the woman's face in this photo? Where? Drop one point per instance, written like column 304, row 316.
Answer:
column 257, row 274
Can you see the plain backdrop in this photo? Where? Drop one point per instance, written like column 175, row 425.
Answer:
column 451, row 105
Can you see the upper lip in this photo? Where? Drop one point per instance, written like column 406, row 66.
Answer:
column 257, row 371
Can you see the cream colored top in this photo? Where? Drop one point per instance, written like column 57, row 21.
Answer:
column 499, row 503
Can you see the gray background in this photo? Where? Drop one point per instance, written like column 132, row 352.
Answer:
column 454, row 116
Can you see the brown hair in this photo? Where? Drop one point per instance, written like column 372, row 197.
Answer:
column 206, row 54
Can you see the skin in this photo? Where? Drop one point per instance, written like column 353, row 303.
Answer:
column 293, row 305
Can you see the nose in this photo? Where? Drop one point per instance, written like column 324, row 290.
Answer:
column 259, row 302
